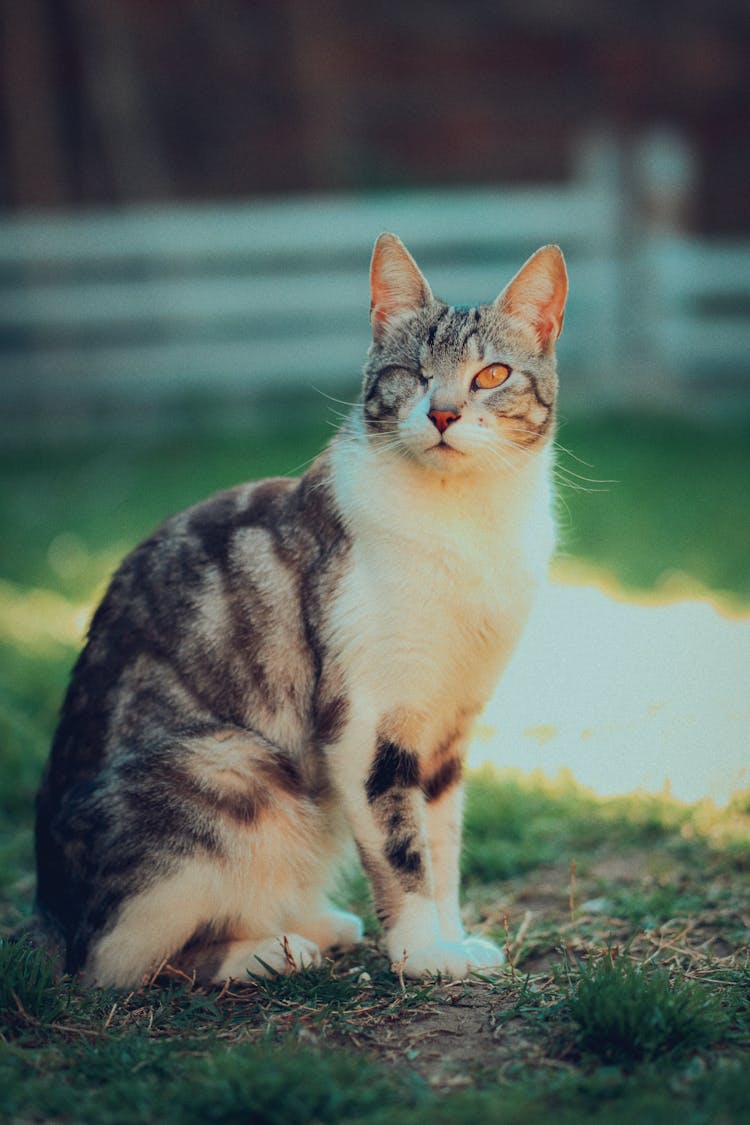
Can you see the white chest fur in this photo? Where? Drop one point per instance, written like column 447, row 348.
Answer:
column 442, row 577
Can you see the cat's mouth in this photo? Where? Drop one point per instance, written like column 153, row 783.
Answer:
column 444, row 449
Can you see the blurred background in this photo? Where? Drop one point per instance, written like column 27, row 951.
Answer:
column 189, row 193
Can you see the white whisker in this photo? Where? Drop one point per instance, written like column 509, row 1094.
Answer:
column 564, row 449
column 301, row 467
column 332, row 398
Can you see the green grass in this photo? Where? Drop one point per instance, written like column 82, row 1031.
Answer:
column 675, row 507
column 661, row 1029
column 28, row 985
column 569, row 1031
column 625, row 1014
column 515, row 822
column 132, row 1076
column 141, row 1079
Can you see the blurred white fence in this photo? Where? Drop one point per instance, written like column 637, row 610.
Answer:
column 138, row 306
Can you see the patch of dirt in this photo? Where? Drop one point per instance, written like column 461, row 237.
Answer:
column 447, row 1040
column 467, row 1031
column 475, row 1030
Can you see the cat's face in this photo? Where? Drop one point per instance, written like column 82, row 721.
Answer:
column 462, row 390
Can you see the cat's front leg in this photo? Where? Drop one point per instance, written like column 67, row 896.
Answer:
column 444, row 793
column 386, row 808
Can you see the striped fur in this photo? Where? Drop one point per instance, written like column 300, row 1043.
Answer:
column 295, row 662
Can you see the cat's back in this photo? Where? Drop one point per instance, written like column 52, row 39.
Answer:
column 213, row 619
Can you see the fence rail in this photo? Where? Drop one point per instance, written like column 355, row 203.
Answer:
column 149, row 304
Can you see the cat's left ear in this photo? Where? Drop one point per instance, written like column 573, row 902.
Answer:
column 537, row 294
column 396, row 283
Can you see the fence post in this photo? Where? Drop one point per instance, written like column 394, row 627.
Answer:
column 663, row 176
column 599, row 171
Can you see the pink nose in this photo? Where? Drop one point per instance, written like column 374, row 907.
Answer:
column 443, row 419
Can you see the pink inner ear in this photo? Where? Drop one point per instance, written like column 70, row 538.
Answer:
column 396, row 284
column 537, row 295
column 391, row 292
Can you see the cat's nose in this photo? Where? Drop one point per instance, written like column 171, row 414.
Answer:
column 443, row 418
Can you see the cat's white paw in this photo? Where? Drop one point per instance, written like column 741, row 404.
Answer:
column 483, row 954
column 448, row 958
column 334, row 927
column 285, row 954
column 452, row 959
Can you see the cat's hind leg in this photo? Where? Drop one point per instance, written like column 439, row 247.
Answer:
column 217, row 962
column 151, row 926
column 122, row 960
column 258, row 851
column 224, row 917
column 329, row 927
column 181, row 922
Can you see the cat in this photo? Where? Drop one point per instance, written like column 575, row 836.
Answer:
column 296, row 662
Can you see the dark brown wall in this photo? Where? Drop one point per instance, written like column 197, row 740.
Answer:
column 119, row 100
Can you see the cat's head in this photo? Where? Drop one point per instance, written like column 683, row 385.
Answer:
column 462, row 389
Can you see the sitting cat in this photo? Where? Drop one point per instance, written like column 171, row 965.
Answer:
column 293, row 662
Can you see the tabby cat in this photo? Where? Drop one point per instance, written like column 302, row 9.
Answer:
column 298, row 661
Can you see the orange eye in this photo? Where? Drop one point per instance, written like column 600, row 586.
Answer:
column 491, row 376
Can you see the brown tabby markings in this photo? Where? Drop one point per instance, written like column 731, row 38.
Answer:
column 391, row 787
column 535, row 413
column 187, row 647
column 404, row 364
column 395, row 777
column 387, row 892
column 241, row 777
column 446, row 775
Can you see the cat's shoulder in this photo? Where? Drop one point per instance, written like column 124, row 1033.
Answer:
column 295, row 515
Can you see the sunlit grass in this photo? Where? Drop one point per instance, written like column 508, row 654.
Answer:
column 515, row 821
column 40, row 620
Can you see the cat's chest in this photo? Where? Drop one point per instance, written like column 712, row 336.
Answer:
column 430, row 612
column 439, row 582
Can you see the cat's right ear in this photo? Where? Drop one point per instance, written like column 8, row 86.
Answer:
column 396, row 283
